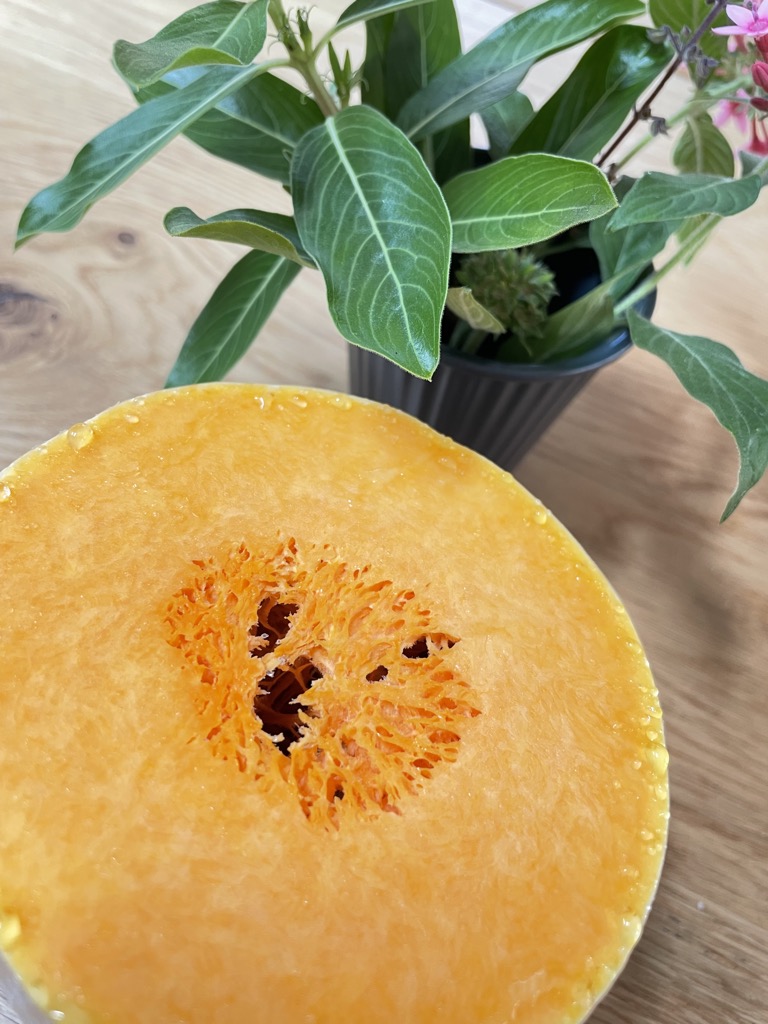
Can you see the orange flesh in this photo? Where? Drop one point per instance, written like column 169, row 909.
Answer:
column 472, row 835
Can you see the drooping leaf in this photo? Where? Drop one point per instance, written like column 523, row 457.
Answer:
column 363, row 10
column 495, row 67
column 462, row 302
column 381, row 235
column 232, row 318
column 505, row 120
column 703, row 149
column 259, row 229
column 714, row 375
column 577, row 326
column 680, row 14
column 524, row 199
column 257, row 127
column 589, row 108
column 659, row 197
column 106, row 161
column 221, row 32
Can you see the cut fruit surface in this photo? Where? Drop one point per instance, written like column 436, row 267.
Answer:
column 309, row 715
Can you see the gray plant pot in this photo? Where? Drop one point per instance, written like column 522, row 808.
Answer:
column 498, row 409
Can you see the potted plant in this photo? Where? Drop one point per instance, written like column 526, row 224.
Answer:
column 402, row 216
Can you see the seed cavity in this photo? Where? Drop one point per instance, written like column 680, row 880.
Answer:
column 277, row 704
column 326, row 679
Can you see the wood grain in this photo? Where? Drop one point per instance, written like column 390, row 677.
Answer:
column 637, row 470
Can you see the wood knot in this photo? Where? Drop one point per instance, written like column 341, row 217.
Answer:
column 28, row 321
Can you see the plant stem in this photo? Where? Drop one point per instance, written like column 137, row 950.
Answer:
column 638, row 112
column 301, row 60
column 713, row 95
column 653, row 279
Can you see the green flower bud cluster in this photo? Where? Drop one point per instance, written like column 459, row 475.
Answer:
column 514, row 286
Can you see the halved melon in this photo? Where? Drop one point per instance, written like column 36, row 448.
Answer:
column 310, row 716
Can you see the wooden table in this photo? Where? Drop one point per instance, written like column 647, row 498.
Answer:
column 635, row 469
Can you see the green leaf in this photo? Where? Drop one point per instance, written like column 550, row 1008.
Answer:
column 232, row 318
column 374, row 220
column 752, row 163
column 222, row 32
column 524, row 199
column 703, row 149
column 363, row 10
column 578, row 326
column 496, row 66
column 257, row 127
column 624, row 254
column 590, row 107
column 679, row 14
column 403, row 55
column 259, row 229
column 675, row 196
column 712, row 374
column 374, row 82
column 462, row 302
column 505, row 120
column 106, row 161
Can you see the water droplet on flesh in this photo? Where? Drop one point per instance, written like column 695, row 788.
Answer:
column 79, row 436
column 659, row 758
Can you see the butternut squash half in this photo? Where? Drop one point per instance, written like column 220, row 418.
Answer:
column 310, row 716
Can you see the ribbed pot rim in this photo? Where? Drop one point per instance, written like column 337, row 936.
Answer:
column 605, row 352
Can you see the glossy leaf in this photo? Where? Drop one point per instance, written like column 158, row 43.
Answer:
column 590, row 107
column 106, row 161
column 222, row 32
column 660, row 197
column 495, row 67
column 257, row 127
column 712, row 374
column 524, row 199
column 407, row 53
column 463, row 303
column 363, row 10
column 259, row 229
column 374, row 82
column 577, row 326
column 374, row 220
column 505, row 120
column 680, row 14
column 232, row 318
column 703, row 149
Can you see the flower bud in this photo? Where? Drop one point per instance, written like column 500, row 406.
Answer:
column 760, row 74
column 759, row 103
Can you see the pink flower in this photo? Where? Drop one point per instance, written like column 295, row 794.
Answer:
column 760, row 74
column 733, row 110
column 758, row 142
column 751, row 21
